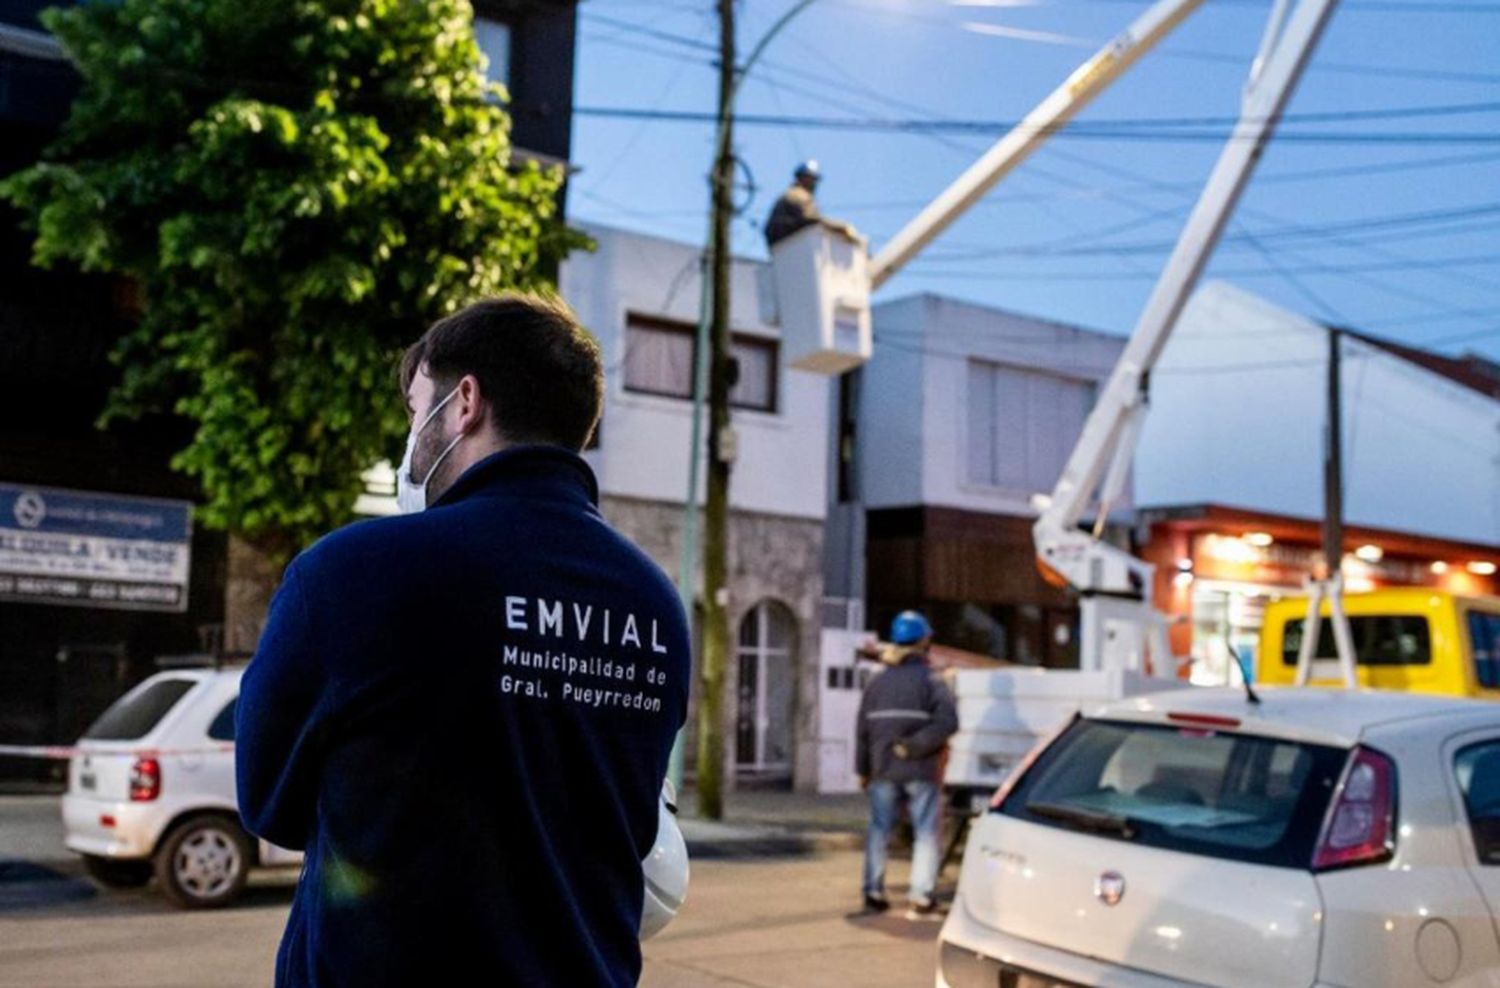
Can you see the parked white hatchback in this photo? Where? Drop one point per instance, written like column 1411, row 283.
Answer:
column 1316, row 838
column 151, row 790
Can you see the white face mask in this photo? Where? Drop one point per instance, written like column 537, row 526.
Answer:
column 411, row 496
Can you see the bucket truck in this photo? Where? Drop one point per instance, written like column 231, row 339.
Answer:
column 823, row 296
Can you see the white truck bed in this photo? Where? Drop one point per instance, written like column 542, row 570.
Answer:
column 1003, row 714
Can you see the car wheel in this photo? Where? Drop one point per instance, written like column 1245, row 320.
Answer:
column 117, row 874
column 203, row 863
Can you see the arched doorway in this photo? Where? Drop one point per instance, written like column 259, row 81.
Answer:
column 766, row 689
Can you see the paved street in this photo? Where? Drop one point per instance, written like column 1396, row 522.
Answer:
column 772, row 921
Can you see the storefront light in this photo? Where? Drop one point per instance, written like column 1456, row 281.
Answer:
column 1230, row 549
column 1259, row 539
column 1439, row 568
column 1183, row 579
column 1370, row 553
column 1482, row 567
column 1184, row 565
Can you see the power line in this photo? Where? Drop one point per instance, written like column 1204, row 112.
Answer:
column 1309, row 174
column 1378, row 71
column 952, row 123
column 1344, row 68
column 1472, row 260
column 1318, row 302
column 1004, row 196
column 1383, row 285
column 1116, row 130
column 1363, row 6
column 1058, row 248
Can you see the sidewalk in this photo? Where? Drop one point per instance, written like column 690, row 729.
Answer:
column 761, row 822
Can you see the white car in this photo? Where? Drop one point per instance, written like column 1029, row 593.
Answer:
column 151, row 790
column 1316, row 838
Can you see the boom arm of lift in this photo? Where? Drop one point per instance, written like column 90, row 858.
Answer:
column 1118, row 621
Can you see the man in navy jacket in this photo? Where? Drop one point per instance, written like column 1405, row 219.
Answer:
column 463, row 714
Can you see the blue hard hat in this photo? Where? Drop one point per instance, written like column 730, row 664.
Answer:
column 909, row 627
column 809, row 167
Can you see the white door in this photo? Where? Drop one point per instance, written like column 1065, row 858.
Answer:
column 765, row 689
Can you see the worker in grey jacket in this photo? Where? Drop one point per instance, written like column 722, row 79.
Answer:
column 905, row 719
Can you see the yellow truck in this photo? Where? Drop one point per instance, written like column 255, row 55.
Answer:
column 1413, row 639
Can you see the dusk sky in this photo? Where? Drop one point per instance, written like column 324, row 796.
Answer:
column 1387, row 221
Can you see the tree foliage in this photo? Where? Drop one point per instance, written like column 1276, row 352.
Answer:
column 297, row 188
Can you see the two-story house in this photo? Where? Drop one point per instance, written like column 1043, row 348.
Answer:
column 640, row 295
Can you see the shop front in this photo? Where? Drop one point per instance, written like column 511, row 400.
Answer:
column 1217, row 568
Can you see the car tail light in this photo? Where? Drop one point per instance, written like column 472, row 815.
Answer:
column 1361, row 823
column 1204, row 720
column 145, row 780
column 1024, row 765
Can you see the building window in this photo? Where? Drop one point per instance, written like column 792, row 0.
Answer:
column 494, row 40
column 1022, row 424
column 659, row 361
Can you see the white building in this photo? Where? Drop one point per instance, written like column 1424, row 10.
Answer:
column 1238, row 404
column 1233, row 447
column 964, row 414
column 640, row 295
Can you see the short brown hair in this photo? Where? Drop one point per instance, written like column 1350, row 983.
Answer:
column 539, row 369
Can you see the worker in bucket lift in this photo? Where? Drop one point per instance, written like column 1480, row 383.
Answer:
column 797, row 208
column 905, row 718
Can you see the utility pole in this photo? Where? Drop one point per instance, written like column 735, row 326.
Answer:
column 1331, row 587
column 720, row 450
column 1333, row 463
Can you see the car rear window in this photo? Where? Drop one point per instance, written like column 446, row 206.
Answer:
column 1478, row 771
column 1379, row 640
column 134, row 715
column 222, row 729
column 1212, row 793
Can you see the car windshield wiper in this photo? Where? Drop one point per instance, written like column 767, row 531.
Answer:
column 1107, row 823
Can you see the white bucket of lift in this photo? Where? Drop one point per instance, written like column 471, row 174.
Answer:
column 823, row 297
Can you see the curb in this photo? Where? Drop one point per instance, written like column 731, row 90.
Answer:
column 772, row 844
column 25, row 885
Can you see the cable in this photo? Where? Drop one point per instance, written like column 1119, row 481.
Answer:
column 1377, row 71
column 1005, row 197
column 1381, row 284
column 1437, row 263
column 640, row 129
column 1319, row 303
column 1056, row 248
column 1176, row 129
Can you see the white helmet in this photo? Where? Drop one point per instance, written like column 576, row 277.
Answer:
column 666, row 868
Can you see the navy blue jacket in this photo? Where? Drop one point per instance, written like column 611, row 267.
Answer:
column 464, row 717
column 905, row 703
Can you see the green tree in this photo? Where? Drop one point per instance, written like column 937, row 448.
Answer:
column 297, row 188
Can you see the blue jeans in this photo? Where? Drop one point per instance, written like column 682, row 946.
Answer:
column 922, row 803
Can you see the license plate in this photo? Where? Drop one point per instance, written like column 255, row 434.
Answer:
column 88, row 780
column 1013, row 978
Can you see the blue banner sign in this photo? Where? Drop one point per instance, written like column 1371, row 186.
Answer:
column 94, row 550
